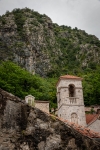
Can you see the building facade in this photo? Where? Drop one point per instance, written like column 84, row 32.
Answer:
column 93, row 121
column 30, row 100
column 70, row 99
column 42, row 105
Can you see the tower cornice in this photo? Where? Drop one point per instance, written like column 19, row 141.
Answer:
column 71, row 105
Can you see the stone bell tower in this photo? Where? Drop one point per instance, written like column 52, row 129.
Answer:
column 70, row 99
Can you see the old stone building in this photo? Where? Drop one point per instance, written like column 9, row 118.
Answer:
column 29, row 99
column 93, row 122
column 70, row 99
column 42, row 105
column 94, row 109
column 71, row 104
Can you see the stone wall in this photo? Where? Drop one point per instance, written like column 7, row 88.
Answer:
column 95, row 126
column 27, row 128
column 42, row 105
column 66, row 111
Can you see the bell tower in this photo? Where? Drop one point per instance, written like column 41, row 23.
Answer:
column 70, row 99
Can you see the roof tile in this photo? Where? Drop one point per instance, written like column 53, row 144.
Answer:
column 70, row 77
column 91, row 118
column 81, row 129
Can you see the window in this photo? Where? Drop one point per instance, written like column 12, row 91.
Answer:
column 71, row 90
column 74, row 118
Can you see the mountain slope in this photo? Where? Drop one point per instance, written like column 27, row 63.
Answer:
column 35, row 43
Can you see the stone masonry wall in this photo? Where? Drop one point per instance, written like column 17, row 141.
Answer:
column 95, row 126
column 44, row 106
column 25, row 128
column 66, row 111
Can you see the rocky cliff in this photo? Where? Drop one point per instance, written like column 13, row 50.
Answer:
column 35, row 43
column 26, row 128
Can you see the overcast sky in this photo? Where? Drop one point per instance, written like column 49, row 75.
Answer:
column 83, row 14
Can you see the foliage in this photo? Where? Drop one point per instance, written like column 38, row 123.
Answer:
column 21, row 83
column 91, row 87
column 19, row 20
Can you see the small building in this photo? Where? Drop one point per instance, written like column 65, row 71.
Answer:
column 93, row 122
column 42, row 105
column 93, row 109
column 29, row 99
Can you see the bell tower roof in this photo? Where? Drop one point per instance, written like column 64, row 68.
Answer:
column 68, row 77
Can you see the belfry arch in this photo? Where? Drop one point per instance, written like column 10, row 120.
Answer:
column 71, row 89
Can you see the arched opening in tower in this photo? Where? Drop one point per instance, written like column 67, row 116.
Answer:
column 71, row 90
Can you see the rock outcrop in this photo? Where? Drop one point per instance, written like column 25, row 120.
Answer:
column 40, row 46
column 27, row 128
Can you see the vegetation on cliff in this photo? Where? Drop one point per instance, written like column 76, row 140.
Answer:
column 20, row 82
column 35, row 43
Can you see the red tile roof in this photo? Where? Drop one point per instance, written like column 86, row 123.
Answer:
column 81, row 129
column 70, row 77
column 91, row 118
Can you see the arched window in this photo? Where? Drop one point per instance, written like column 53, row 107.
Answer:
column 74, row 118
column 71, row 90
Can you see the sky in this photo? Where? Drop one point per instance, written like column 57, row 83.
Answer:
column 83, row 14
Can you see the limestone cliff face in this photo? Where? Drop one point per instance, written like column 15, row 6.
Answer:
column 35, row 43
column 26, row 128
column 28, row 41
